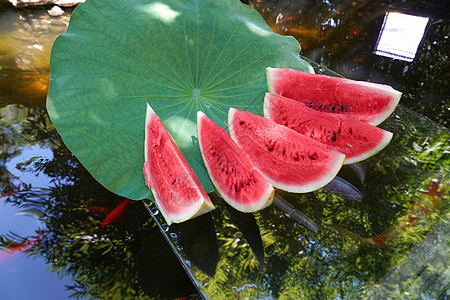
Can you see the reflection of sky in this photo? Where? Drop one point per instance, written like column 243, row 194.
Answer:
column 22, row 277
column 400, row 36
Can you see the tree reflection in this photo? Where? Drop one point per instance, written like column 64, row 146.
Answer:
column 103, row 262
column 357, row 243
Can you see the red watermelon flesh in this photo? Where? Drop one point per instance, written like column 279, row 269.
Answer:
column 177, row 190
column 287, row 159
column 369, row 102
column 230, row 169
column 356, row 139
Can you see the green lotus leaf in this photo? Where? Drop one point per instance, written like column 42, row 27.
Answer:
column 179, row 56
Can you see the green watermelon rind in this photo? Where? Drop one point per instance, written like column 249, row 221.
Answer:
column 383, row 144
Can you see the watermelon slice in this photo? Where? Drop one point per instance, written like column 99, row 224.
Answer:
column 177, row 191
column 369, row 102
column 287, row 159
column 356, row 139
column 230, row 169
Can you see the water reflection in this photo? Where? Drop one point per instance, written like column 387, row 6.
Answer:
column 26, row 38
column 341, row 35
column 263, row 255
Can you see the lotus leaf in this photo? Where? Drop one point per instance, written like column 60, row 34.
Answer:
column 179, row 56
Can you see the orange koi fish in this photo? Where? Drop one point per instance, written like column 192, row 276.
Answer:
column 433, row 189
column 7, row 253
column 97, row 209
column 14, row 247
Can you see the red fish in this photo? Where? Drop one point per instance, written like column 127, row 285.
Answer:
column 378, row 239
column 97, row 209
column 8, row 253
column 433, row 189
column 118, row 213
column 19, row 247
column 14, row 190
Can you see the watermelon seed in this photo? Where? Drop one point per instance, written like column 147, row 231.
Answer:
column 284, row 151
column 333, row 108
column 334, row 137
column 320, row 107
column 271, row 149
column 241, row 123
column 313, row 156
column 235, row 188
column 351, row 132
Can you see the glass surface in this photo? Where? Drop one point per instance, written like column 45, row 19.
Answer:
column 391, row 243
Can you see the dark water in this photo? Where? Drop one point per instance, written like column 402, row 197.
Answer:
column 361, row 248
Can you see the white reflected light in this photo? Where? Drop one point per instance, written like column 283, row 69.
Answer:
column 162, row 12
column 400, row 36
column 256, row 29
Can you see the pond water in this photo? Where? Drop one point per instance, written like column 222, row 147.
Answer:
column 393, row 242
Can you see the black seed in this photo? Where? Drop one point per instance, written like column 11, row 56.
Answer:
column 271, row 149
column 342, row 108
column 235, row 188
column 241, row 123
column 333, row 108
column 320, row 107
column 334, row 137
column 351, row 132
